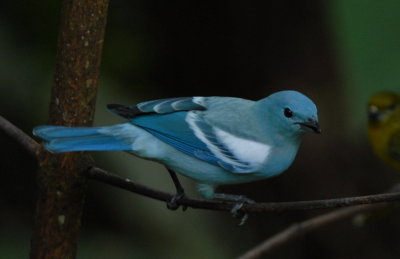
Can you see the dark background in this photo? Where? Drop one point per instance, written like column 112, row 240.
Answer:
column 336, row 52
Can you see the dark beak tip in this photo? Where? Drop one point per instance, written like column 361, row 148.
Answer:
column 317, row 129
column 314, row 126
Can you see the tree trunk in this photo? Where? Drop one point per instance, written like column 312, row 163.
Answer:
column 61, row 180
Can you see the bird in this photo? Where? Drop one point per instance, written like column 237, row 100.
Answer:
column 383, row 131
column 384, row 127
column 212, row 140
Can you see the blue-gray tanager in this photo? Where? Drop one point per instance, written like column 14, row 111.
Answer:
column 212, row 140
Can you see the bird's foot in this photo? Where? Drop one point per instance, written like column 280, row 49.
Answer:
column 239, row 201
column 173, row 204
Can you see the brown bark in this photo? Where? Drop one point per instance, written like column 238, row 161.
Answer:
column 61, row 180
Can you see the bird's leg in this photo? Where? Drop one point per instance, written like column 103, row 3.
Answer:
column 239, row 201
column 180, row 192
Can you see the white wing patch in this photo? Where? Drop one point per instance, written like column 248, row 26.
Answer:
column 250, row 151
column 233, row 150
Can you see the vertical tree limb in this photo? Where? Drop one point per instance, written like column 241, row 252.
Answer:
column 61, row 182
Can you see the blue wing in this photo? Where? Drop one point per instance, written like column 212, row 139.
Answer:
column 176, row 121
column 161, row 106
column 190, row 134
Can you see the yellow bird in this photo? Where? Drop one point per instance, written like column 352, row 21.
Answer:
column 384, row 127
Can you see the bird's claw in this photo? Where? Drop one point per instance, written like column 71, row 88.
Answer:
column 239, row 201
column 236, row 213
column 173, row 204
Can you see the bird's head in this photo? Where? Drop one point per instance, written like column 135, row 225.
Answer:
column 382, row 107
column 290, row 113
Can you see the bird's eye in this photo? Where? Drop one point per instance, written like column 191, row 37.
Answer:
column 288, row 113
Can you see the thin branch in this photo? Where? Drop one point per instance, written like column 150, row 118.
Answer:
column 304, row 227
column 19, row 136
column 126, row 184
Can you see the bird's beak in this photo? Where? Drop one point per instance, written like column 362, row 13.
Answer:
column 375, row 116
column 313, row 125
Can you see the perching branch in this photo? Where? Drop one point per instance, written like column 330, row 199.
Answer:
column 126, row 184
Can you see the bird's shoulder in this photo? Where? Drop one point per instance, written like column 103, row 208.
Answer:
column 233, row 115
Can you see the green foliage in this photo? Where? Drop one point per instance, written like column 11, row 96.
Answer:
column 367, row 34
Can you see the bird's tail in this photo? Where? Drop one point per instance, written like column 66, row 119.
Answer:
column 65, row 139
